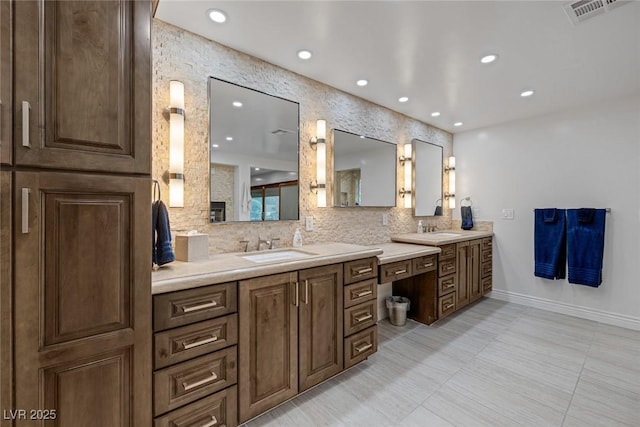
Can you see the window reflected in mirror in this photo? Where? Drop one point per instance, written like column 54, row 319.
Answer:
column 427, row 186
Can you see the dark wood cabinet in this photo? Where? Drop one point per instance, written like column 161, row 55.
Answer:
column 268, row 341
column 82, row 310
column 82, row 85
column 473, row 265
column 320, row 324
column 6, row 81
column 468, row 271
column 6, row 295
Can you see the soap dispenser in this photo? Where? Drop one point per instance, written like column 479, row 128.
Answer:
column 420, row 227
column 297, row 239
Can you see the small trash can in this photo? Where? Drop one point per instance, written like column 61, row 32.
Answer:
column 398, row 307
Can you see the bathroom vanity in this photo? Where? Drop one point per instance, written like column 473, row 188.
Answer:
column 241, row 333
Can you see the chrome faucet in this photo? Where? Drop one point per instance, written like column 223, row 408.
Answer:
column 262, row 241
column 272, row 245
column 246, row 245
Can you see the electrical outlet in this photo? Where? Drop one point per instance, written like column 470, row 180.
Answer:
column 308, row 223
column 385, row 219
column 507, row 213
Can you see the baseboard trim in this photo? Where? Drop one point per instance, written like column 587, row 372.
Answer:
column 615, row 319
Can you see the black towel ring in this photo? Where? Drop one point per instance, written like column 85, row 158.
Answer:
column 466, row 199
column 156, row 188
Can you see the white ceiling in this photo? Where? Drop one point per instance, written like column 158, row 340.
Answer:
column 430, row 51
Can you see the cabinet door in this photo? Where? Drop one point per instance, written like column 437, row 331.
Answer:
column 320, row 348
column 82, row 85
column 6, row 292
column 83, row 307
column 462, row 291
column 6, row 80
column 473, row 269
column 268, row 342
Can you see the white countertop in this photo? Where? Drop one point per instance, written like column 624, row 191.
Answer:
column 392, row 252
column 441, row 237
column 230, row 267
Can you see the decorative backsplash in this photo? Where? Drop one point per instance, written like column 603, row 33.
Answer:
column 192, row 59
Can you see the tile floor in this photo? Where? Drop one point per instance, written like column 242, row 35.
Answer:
column 491, row 364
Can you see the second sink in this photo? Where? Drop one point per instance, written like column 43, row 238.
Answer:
column 277, row 255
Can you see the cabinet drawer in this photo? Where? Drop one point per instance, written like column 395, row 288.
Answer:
column 487, row 269
column 446, row 305
column 220, row 409
column 360, row 316
column 424, row 263
column 487, row 255
column 180, row 344
column 447, row 284
column 360, row 292
column 396, row 271
column 487, row 285
column 446, row 267
column 362, row 269
column 193, row 305
column 359, row 346
column 189, row 381
column 487, row 243
column 447, row 251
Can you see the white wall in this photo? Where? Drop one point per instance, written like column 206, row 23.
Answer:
column 587, row 157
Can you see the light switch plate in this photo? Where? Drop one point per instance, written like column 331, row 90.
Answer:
column 385, row 219
column 507, row 213
column 308, row 223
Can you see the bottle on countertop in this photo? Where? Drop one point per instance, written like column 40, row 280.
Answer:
column 420, row 227
column 297, row 239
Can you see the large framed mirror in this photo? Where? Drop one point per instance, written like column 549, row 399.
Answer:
column 253, row 139
column 427, row 161
column 365, row 171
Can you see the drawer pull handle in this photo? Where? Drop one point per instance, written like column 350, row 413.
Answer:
column 364, row 348
column 213, row 422
column 213, row 338
column 404, row 270
column 364, row 270
column 449, row 267
column 448, row 306
column 427, row 265
column 25, row 210
column 209, row 379
column 25, row 124
column 362, row 294
column 208, row 304
column 364, row 318
column 449, row 286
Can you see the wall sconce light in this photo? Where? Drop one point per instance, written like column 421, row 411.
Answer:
column 319, row 143
column 451, row 194
column 405, row 191
column 176, row 144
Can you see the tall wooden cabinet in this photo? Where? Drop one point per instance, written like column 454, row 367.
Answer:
column 81, row 268
column 6, row 80
column 6, row 295
column 468, row 270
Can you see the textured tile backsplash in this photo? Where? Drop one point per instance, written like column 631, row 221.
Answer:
column 184, row 56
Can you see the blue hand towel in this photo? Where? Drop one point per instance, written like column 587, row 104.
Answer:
column 549, row 243
column 466, row 215
column 585, row 244
column 163, row 253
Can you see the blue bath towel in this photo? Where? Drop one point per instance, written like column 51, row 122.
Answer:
column 585, row 245
column 550, row 243
column 162, row 252
column 466, row 214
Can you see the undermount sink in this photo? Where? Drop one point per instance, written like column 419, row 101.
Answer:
column 445, row 234
column 277, row 255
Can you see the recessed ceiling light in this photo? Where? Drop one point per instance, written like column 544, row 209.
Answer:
column 237, row 104
column 258, row 179
column 292, row 173
column 362, row 82
column 215, row 145
column 256, row 169
column 487, row 59
column 457, row 124
column 229, row 138
column 304, row 54
column 526, row 93
column 403, row 99
column 362, row 137
column 217, row 16
column 435, row 114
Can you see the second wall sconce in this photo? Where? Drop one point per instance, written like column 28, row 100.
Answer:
column 319, row 143
column 405, row 191
column 176, row 144
column 451, row 194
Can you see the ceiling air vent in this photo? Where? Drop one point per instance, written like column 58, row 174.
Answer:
column 582, row 10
